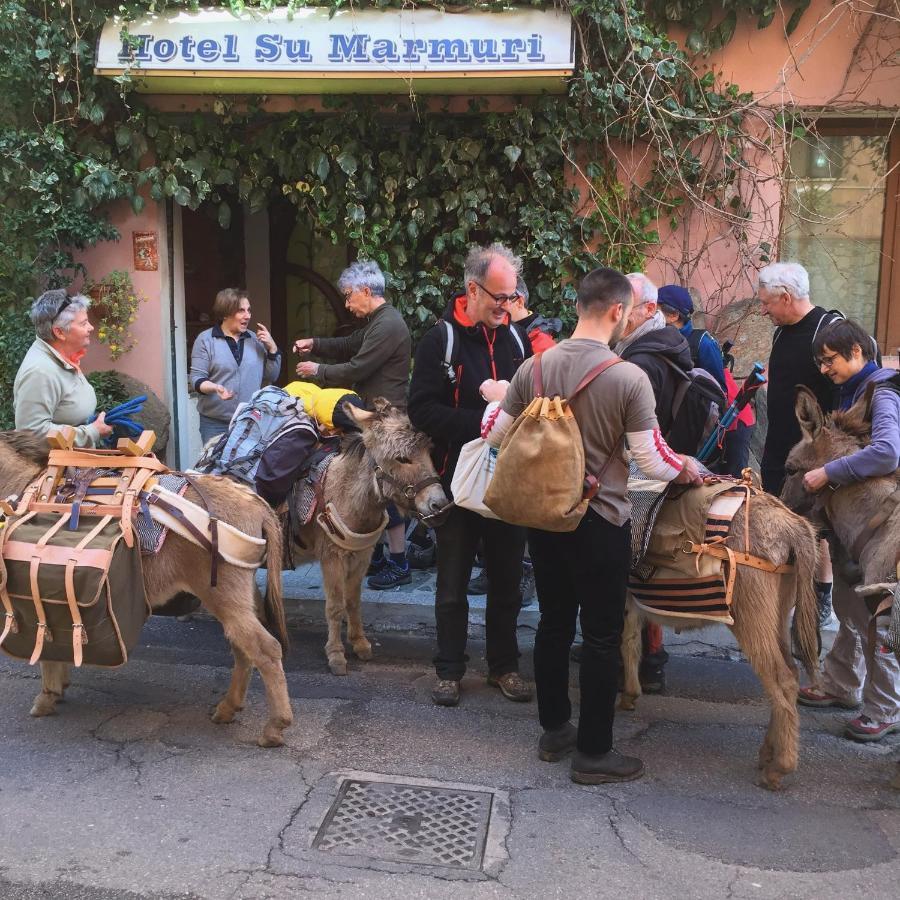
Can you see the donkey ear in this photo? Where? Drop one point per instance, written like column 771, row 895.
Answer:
column 808, row 412
column 381, row 405
column 362, row 417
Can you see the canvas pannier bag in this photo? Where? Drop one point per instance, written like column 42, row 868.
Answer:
column 539, row 479
column 55, row 610
column 472, row 475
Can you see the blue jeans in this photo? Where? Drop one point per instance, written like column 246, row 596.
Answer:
column 211, row 428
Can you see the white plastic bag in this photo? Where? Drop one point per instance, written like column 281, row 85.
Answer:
column 473, row 475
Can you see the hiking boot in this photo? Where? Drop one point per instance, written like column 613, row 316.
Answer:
column 390, row 576
column 823, row 604
column 420, row 557
column 445, row 692
column 513, row 686
column 526, row 585
column 822, row 700
column 866, row 729
column 605, row 768
column 378, row 561
column 554, row 745
column 479, row 584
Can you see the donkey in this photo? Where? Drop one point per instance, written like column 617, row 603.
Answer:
column 761, row 608
column 387, row 461
column 254, row 626
column 864, row 517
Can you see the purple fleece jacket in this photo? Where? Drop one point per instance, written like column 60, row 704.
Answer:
column 882, row 455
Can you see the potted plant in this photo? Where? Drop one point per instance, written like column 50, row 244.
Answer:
column 114, row 302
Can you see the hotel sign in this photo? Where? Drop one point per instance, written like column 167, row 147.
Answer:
column 369, row 51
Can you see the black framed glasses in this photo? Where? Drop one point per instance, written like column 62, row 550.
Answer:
column 826, row 361
column 67, row 302
column 498, row 298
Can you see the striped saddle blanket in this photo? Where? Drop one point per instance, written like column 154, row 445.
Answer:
column 666, row 578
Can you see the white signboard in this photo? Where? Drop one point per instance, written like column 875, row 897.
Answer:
column 392, row 44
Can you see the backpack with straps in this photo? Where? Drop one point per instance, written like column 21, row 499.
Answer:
column 697, row 406
column 449, row 363
column 539, row 480
column 266, row 444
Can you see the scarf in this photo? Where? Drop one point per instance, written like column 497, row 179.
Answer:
column 654, row 323
column 849, row 387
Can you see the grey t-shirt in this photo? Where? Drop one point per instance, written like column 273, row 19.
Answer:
column 618, row 401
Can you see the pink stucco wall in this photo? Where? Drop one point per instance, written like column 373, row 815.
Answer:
column 146, row 360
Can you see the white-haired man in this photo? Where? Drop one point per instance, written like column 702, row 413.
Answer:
column 784, row 296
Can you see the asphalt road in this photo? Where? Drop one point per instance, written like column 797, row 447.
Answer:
column 131, row 792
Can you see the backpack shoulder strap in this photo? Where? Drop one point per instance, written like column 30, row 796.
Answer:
column 448, row 351
column 517, row 337
column 537, row 379
column 693, row 340
column 594, row 373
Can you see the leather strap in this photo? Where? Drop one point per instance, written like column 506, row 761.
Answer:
column 79, row 634
column 213, row 531
column 10, row 624
column 43, row 630
column 742, row 559
column 592, row 374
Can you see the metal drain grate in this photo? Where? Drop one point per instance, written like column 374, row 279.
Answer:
column 407, row 823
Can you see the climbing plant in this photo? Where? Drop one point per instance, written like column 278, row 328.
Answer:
column 401, row 180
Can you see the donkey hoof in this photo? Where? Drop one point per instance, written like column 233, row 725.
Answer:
column 223, row 714
column 270, row 739
column 338, row 666
column 770, row 780
column 44, row 705
column 363, row 651
column 627, row 702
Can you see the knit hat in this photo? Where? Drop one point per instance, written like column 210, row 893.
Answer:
column 678, row 298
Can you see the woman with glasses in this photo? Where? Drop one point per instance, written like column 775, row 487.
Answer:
column 50, row 389
column 845, row 354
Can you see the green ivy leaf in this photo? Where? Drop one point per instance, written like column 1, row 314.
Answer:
column 182, row 196
column 322, row 167
column 347, row 161
column 170, row 185
column 512, row 153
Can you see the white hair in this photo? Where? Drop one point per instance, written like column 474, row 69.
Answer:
column 56, row 307
column 644, row 288
column 790, row 276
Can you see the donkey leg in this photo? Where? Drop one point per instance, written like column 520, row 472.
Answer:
column 232, row 603
column 54, row 681
column 333, row 582
column 356, row 568
column 631, row 657
column 762, row 645
column 233, row 701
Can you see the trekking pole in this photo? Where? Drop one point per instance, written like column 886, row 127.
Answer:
column 752, row 383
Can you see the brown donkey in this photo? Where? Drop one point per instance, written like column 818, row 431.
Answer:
column 865, row 516
column 387, row 462
column 182, row 566
column 761, row 608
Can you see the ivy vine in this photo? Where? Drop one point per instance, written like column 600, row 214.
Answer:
column 399, row 180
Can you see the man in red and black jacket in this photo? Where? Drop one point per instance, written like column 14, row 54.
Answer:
column 471, row 345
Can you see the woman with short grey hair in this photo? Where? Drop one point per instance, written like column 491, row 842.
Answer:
column 50, row 389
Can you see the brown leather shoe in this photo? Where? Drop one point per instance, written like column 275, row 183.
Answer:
column 446, row 692
column 605, row 768
column 513, row 686
column 554, row 745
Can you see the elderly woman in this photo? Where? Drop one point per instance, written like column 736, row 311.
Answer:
column 855, row 665
column 50, row 389
column 229, row 362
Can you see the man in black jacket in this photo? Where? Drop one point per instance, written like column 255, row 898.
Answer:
column 471, row 345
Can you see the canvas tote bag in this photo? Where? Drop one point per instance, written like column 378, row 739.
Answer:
column 472, row 476
column 539, row 479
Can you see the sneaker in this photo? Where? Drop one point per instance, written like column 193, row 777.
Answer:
column 446, row 692
column 378, row 561
column 479, row 584
column 513, row 686
column 822, row 700
column 823, row 602
column 526, row 585
column 605, row 768
column 866, row 729
column 554, row 745
column 390, row 576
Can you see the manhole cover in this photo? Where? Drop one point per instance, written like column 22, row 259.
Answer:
column 407, row 823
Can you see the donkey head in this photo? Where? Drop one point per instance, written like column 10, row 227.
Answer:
column 823, row 440
column 403, row 469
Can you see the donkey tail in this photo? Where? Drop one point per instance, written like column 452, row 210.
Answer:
column 273, row 602
column 806, row 617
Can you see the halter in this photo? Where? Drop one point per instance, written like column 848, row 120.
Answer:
column 410, row 491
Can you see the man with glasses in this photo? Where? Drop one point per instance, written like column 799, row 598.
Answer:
column 784, row 297
column 374, row 361
column 461, row 364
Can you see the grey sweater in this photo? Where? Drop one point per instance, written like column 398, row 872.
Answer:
column 374, row 361
column 212, row 359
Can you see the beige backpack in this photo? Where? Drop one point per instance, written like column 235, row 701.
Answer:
column 539, row 480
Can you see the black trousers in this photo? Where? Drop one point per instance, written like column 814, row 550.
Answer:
column 504, row 546
column 583, row 574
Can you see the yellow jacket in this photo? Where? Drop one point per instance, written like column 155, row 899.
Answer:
column 319, row 402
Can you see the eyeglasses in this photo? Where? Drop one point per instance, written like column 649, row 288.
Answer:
column 66, row 303
column 498, row 298
column 826, row 362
